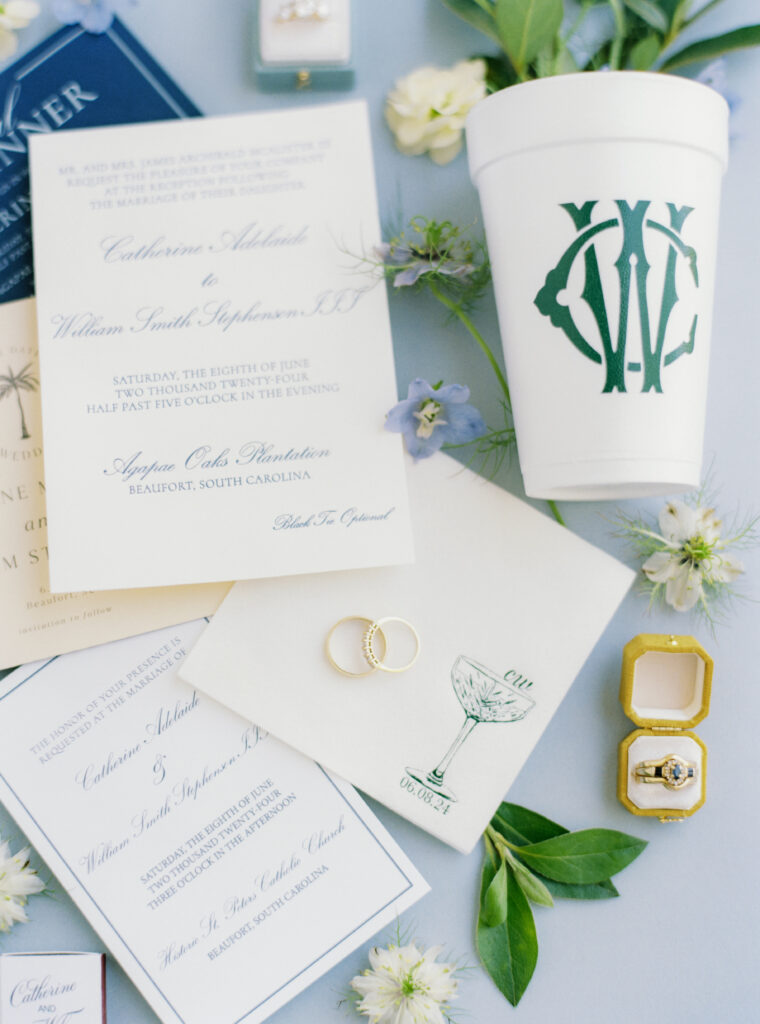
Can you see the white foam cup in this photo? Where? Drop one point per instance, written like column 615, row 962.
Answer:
column 600, row 195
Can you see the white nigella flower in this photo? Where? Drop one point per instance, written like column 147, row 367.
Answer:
column 18, row 881
column 405, row 986
column 426, row 110
column 690, row 556
column 14, row 15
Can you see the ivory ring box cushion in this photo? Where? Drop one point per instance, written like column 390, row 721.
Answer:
column 665, row 688
column 53, row 988
column 507, row 606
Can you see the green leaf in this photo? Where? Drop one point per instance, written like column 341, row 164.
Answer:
column 509, row 951
column 593, row 891
column 473, row 13
column 649, row 12
column 494, row 905
column 525, row 27
column 709, row 49
column 521, row 826
column 532, row 886
column 499, row 72
column 645, row 53
column 583, row 857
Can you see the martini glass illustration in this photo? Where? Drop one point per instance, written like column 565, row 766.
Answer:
column 485, row 698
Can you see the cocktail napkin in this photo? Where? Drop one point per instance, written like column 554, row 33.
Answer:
column 507, row 606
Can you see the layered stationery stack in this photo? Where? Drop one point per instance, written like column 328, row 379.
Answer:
column 214, row 376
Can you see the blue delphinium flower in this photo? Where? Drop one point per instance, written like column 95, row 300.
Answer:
column 93, row 15
column 430, row 417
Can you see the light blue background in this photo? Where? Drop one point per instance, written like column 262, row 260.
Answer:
column 681, row 943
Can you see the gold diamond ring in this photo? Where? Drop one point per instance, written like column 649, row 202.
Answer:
column 368, row 645
column 671, row 771
column 328, row 646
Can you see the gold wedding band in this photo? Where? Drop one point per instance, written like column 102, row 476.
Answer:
column 368, row 648
column 328, row 646
column 670, row 771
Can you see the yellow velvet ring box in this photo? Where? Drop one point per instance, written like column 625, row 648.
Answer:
column 665, row 689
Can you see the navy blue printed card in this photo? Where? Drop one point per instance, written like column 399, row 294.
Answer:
column 72, row 80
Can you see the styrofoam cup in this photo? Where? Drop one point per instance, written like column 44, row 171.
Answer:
column 600, row 196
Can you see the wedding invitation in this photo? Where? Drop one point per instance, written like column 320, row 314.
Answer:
column 215, row 368
column 506, row 606
column 35, row 623
column 74, row 79
column 224, row 871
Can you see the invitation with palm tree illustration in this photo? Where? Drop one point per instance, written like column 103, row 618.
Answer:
column 215, row 369
column 35, row 623
column 427, row 686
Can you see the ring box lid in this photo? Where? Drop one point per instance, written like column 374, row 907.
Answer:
column 666, row 681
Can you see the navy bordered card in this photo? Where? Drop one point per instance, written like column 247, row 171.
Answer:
column 73, row 79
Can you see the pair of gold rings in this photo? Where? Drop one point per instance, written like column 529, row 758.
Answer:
column 670, row 771
column 372, row 637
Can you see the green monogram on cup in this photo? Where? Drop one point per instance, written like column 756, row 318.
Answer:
column 638, row 232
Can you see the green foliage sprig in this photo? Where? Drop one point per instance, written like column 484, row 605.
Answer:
column 540, row 38
column 530, row 859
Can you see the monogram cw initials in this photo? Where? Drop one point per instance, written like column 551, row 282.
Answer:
column 643, row 339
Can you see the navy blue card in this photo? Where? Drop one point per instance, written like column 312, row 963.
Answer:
column 72, row 80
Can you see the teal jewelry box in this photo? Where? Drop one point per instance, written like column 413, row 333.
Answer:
column 303, row 44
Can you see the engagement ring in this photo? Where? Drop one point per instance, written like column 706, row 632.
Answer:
column 672, row 771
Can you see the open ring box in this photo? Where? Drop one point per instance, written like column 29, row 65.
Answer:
column 306, row 52
column 665, row 689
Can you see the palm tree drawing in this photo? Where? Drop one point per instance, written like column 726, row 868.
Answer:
column 11, row 382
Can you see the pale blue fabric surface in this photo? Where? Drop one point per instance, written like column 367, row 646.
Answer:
column 681, row 943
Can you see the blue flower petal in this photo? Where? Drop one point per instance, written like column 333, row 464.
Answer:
column 400, row 416
column 423, row 447
column 419, row 390
column 455, row 393
column 411, row 275
column 98, row 18
column 454, row 269
column 67, row 11
column 463, row 424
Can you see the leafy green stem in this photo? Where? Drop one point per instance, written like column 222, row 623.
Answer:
column 497, row 840
column 555, row 512
column 458, row 312
column 616, row 51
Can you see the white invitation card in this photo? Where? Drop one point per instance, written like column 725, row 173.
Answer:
column 215, row 369
column 506, row 606
column 52, row 988
column 224, row 871
column 35, row 623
